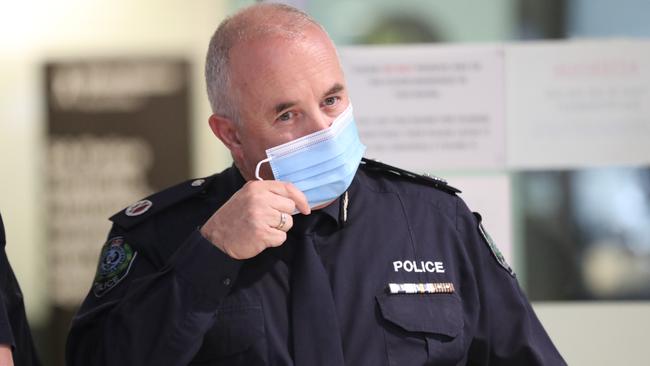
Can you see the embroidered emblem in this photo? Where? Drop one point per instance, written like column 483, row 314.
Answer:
column 421, row 288
column 495, row 250
column 115, row 262
column 138, row 208
column 198, row 182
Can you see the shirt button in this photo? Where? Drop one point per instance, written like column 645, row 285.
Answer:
column 226, row 281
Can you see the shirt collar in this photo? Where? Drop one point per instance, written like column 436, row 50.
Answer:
column 338, row 211
column 332, row 211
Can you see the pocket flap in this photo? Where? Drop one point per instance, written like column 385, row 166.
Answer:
column 440, row 314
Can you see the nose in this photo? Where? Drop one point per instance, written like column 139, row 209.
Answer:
column 319, row 121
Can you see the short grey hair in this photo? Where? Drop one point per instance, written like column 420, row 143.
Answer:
column 250, row 23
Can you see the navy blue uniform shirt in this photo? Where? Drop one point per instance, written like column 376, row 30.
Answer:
column 14, row 329
column 164, row 295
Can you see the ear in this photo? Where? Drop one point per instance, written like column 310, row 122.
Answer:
column 227, row 131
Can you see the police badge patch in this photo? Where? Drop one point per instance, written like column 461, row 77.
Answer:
column 495, row 250
column 115, row 262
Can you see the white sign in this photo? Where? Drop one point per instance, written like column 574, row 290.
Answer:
column 576, row 104
column 429, row 108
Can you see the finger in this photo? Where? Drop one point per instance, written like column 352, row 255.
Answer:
column 287, row 189
column 279, row 220
column 282, row 204
column 288, row 223
column 276, row 238
column 269, row 194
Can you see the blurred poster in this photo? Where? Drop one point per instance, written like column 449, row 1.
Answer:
column 429, row 107
column 573, row 104
column 117, row 131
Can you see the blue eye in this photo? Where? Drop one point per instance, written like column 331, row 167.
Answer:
column 330, row 101
column 285, row 116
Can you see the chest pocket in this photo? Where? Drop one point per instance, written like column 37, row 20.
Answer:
column 422, row 329
column 237, row 337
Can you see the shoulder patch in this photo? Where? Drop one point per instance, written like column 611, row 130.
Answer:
column 493, row 248
column 430, row 180
column 148, row 207
column 115, row 261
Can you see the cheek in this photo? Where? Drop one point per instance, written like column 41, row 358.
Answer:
column 252, row 157
column 253, row 150
column 254, row 143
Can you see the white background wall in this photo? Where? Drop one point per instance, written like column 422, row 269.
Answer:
column 598, row 333
column 34, row 31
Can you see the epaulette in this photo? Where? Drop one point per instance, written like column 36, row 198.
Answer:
column 427, row 179
column 148, row 207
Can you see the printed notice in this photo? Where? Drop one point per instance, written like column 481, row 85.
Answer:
column 576, row 104
column 429, row 107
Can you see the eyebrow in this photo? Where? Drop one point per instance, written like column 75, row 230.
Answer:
column 336, row 88
column 282, row 106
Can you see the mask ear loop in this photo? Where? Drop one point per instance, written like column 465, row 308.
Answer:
column 257, row 175
column 259, row 165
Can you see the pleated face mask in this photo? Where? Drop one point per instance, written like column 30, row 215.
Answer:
column 321, row 164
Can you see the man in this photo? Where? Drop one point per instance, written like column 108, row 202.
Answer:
column 294, row 256
column 16, row 345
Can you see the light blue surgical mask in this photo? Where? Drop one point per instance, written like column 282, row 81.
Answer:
column 321, row 164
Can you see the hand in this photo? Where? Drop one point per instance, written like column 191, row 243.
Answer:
column 248, row 223
column 6, row 358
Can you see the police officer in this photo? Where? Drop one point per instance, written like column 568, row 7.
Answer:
column 16, row 345
column 301, row 253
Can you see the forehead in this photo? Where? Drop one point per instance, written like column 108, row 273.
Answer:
column 284, row 66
